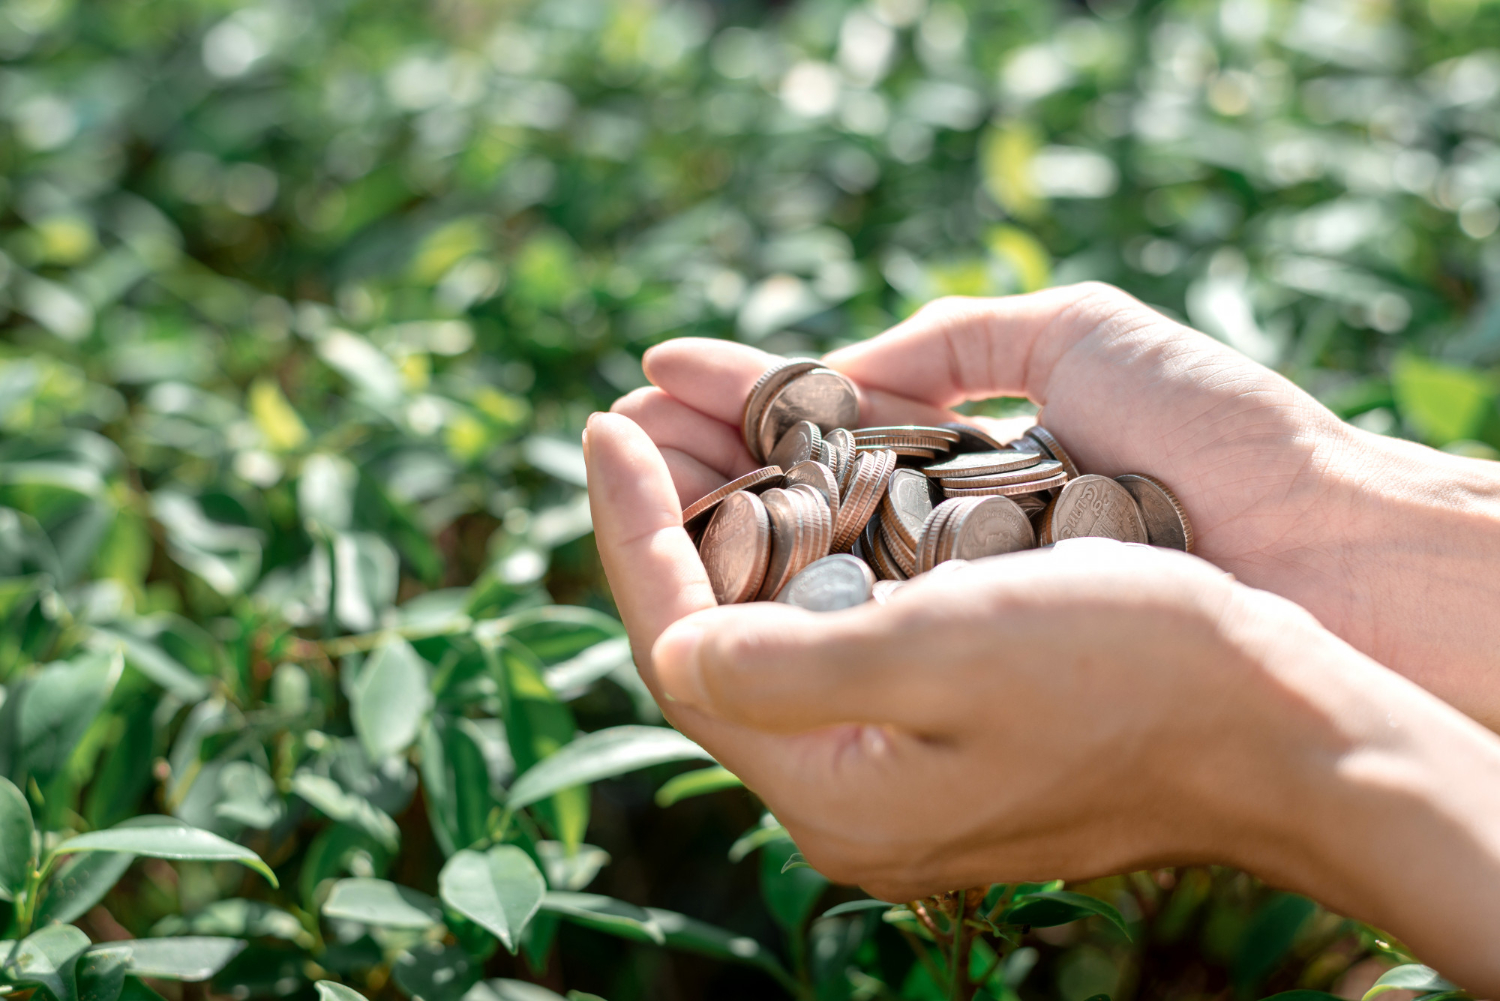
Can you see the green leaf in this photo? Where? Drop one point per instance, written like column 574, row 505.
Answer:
column 536, row 725
column 101, row 972
column 692, row 935
column 235, row 918
column 337, row 803
column 571, row 870
column 434, row 972
column 154, row 662
column 1268, row 938
column 330, row 991
column 79, row 884
column 855, row 907
column 499, row 890
column 583, row 996
column 1302, row 995
column 383, row 903
column 601, row 755
column 697, row 782
column 1058, row 907
column 1410, row 977
column 164, row 838
column 390, row 699
column 48, row 959
column 605, row 914
column 189, row 959
column 1442, row 402
column 17, row 855
column 757, row 837
column 510, row 990
column 57, row 709
column 790, row 893
column 247, row 795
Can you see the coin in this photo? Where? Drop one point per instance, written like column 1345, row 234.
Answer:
column 906, row 504
column 697, row 513
column 1096, row 506
column 1052, row 447
column 819, row 522
column 820, row 478
column 771, row 381
column 830, row 584
column 1041, row 470
column 1166, row 522
column 983, row 463
column 988, row 526
column 801, row 442
column 871, row 471
column 736, row 547
column 907, row 431
column 821, row 395
column 932, row 533
column 971, row 438
column 1010, row 489
column 886, row 564
column 901, row 554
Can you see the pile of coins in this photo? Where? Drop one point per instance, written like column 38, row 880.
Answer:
column 840, row 516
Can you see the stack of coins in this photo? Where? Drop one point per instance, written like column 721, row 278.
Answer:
column 842, row 515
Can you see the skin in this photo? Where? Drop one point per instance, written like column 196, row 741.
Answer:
column 1150, row 710
column 1389, row 544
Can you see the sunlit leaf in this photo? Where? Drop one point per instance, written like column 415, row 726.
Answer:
column 383, row 903
column 698, row 782
column 600, row 755
column 190, row 959
column 500, row 890
column 161, row 837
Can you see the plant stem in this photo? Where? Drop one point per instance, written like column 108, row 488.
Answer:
column 959, row 988
column 920, row 948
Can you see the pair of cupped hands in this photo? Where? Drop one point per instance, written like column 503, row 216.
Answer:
column 1098, row 707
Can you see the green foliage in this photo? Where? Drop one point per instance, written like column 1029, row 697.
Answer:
column 307, row 676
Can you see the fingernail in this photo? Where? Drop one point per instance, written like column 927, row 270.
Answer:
column 679, row 666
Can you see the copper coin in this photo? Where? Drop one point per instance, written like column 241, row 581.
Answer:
column 820, row 478
column 698, row 511
column 1009, row 489
column 971, row 438
column 903, row 555
column 830, row 584
column 983, row 463
column 989, row 526
column 736, row 547
column 1044, row 469
column 783, row 513
column 820, row 395
column 1053, row 447
column 907, row 431
column 1096, row 506
column 886, row 566
column 1166, row 522
column 801, row 442
column 906, row 505
column 770, row 382
column 819, row 522
column 932, row 534
column 872, row 469
column 1044, row 524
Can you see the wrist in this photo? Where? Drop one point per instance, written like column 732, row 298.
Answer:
column 1360, row 789
column 1418, row 547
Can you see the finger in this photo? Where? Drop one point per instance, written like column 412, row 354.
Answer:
column 782, row 669
column 654, row 571
column 673, row 424
column 713, row 377
column 959, row 349
column 692, row 478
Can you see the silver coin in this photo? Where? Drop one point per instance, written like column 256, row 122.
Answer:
column 979, row 463
column 991, row 526
column 827, row 585
column 907, row 503
column 1096, row 506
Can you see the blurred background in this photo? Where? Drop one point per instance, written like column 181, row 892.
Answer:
column 305, row 303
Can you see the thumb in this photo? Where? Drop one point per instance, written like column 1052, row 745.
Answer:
column 778, row 668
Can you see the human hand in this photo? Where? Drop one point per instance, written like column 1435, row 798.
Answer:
column 1394, row 547
column 1087, row 709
